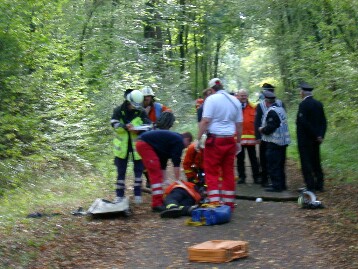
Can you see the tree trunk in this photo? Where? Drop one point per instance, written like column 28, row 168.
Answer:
column 181, row 40
column 216, row 59
column 196, row 74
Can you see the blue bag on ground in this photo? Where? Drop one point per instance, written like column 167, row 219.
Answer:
column 212, row 215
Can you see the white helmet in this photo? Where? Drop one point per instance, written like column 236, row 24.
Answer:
column 213, row 82
column 135, row 98
column 147, row 91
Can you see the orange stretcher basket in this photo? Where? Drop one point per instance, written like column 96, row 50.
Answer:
column 218, row 251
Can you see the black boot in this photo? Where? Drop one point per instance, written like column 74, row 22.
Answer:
column 257, row 180
column 174, row 212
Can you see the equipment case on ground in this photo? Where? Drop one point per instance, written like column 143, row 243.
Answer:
column 218, row 251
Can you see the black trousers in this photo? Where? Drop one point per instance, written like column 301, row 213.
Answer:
column 276, row 160
column 121, row 165
column 180, row 197
column 240, row 160
column 311, row 166
column 263, row 162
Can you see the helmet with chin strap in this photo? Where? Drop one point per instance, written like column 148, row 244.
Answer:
column 136, row 98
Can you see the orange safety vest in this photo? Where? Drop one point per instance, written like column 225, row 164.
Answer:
column 156, row 110
column 193, row 161
column 188, row 186
column 248, row 126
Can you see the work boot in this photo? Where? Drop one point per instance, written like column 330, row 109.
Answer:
column 174, row 212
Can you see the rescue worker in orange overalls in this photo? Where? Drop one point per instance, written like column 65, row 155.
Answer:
column 248, row 139
column 193, row 163
column 153, row 108
column 181, row 198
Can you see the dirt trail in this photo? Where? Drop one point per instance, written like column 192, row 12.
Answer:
column 280, row 235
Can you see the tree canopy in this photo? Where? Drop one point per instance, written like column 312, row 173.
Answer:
column 65, row 64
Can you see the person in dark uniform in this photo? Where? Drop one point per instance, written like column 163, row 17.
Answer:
column 311, row 127
column 261, row 108
column 275, row 133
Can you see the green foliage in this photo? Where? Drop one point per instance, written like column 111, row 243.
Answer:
column 339, row 155
column 65, row 64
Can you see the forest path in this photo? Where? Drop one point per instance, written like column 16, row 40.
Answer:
column 280, row 235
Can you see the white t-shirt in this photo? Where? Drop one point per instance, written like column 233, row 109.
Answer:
column 225, row 111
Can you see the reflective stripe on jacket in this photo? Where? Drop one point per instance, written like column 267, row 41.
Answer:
column 248, row 127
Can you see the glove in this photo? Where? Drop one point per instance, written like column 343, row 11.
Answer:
column 198, row 145
column 238, row 148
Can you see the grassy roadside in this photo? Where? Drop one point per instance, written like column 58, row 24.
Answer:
column 54, row 193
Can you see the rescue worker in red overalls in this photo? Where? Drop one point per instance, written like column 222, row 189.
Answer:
column 182, row 197
column 154, row 111
column 222, row 120
column 156, row 148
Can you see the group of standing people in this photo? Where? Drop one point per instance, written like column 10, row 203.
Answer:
column 232, row 125
column 266, row 124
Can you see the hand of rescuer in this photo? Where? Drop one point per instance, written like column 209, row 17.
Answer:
column 199, row 144
column 130, row 127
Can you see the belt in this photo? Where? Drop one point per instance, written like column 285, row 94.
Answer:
column 220, row 136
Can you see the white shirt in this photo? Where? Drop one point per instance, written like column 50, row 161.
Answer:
column 224, row 111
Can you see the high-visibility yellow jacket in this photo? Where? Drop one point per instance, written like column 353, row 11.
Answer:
column 123, row 136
